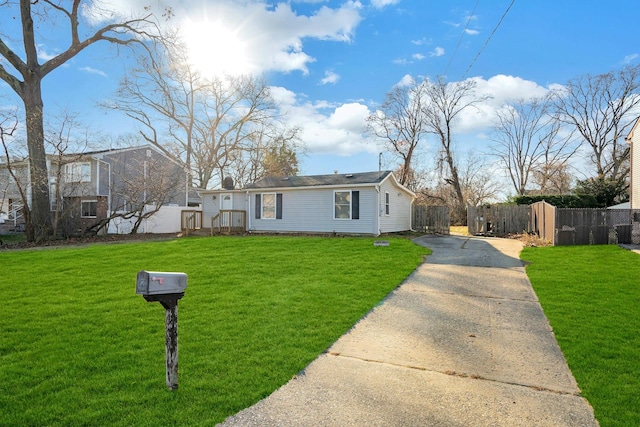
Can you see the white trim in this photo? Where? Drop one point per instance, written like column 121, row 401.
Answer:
column 333, row 205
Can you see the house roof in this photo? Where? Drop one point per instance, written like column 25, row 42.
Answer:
column 320, row 180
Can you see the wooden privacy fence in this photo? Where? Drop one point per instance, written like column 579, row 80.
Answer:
column 596, row 226
column 430, row 219
column 498, row 220
column 560, row 226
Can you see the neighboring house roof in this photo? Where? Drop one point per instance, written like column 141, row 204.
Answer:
column 320, row 180
column 625, row 205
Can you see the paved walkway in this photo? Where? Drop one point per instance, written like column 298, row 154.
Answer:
column 462, row 342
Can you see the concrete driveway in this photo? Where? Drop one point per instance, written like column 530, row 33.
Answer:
column 462, row 342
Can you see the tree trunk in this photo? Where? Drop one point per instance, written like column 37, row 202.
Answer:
column 40, row 221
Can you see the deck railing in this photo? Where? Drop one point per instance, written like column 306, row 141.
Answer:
column 229, row 222
column 190, row 221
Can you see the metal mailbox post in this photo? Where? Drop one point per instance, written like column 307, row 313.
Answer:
column 166, row 288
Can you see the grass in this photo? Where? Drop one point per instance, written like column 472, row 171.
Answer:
column 79, row 347
column 462, row 230
column 591, row 296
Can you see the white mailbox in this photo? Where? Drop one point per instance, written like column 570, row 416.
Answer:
column 160, row 282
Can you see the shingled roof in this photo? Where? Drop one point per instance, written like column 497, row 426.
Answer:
column 320, row 180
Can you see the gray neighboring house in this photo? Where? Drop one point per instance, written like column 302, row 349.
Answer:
column 91, row 186
column 369, row 203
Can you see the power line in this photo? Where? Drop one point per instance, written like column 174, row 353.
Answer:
column 461, row 36
column 488, row 38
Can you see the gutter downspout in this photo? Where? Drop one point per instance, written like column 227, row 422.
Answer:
column 247, row 203
column 377, row 224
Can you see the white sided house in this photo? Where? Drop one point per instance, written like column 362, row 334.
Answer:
column 369, row 203
column 634, row 186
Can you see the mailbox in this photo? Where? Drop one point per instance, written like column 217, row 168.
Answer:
column 160, row 283
column 165, row 288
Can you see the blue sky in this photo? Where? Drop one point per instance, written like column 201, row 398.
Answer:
column 330, row 63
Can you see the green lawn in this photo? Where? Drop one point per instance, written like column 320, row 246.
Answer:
column 591, row 296
column 79, row 347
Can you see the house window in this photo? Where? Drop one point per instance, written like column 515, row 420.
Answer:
column 346, row 205
column 89, row 208
column 269, row 206
column 387, row 209
column 53, row 199
column 77, row 172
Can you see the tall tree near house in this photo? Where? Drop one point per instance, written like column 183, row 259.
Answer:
column 443, row 103
column 66, row 139
column 601, row 108
column 23, row 73
column 280, row 157
column 209, row 123
column 554, row 178
column 399, row 124
column 477, row 180
column 529, row 143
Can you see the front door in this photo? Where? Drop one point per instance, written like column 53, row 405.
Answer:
column 226, row 204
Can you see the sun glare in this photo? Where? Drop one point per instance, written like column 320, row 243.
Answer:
column 215, row 49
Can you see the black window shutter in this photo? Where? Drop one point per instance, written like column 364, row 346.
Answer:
column 355, row 205
column 278, row 205
column 258, row 207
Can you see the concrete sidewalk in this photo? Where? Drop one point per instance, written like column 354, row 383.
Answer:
column 462, row 342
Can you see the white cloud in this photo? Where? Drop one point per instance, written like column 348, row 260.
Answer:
column 401, row 61
column 271, row 36
column 471, row 32
column 438, row 51
column 330, row 78
column 379, row 4
column 630, row 58
column 91, row 70
column 406, row 80
column 420, row 42
column 350, row 117
column 500, row 88
column 326, row 128
column 43, row 55
column 418, row 56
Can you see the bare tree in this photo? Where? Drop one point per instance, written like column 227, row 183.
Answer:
column 66, row 138
column 529, row 140
column 209, row 123
column 25, row 77
column 553, row 178
column 478, row 182
column 400, row 125
column 13, row 174
column 443, row 103
column 601, row 108
column 138, row 188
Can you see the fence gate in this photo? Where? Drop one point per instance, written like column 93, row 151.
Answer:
column 498, row 220
column 431, row 219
